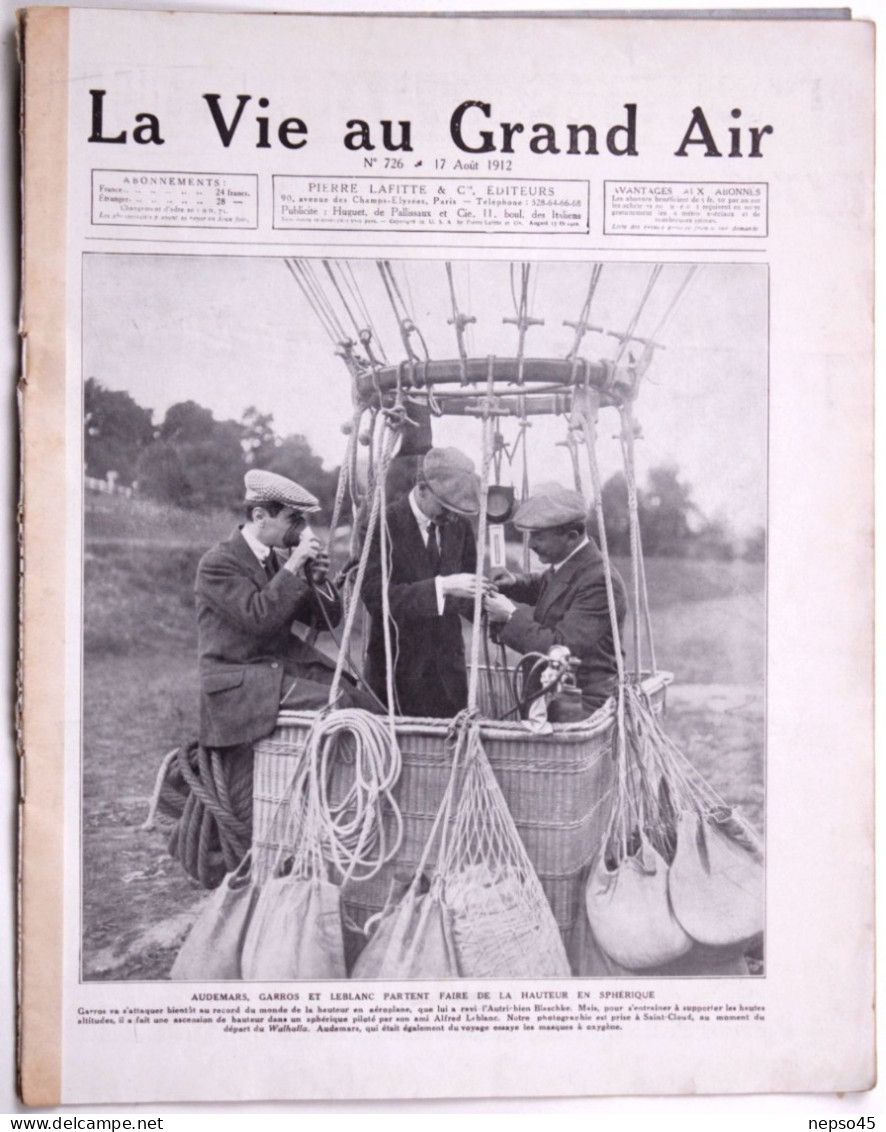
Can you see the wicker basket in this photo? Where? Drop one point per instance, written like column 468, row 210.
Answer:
column 556, row 786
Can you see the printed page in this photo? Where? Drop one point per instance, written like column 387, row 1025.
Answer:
column 626, row 262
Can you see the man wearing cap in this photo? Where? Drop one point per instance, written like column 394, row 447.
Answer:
column 433, row 559
column 248, row 597
column 567, row 604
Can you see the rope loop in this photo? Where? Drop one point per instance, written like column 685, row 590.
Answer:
column 460, row 723
column 358, row 832
column 397, row 416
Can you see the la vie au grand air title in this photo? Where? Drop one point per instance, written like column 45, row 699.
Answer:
column 472, row 129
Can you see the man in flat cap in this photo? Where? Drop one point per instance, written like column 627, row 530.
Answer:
column 567, row 604
column 248, row 597
column 433, row 559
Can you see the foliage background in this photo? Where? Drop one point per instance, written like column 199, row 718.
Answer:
column 191, row 461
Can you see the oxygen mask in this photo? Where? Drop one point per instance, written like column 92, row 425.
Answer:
column 296, row 531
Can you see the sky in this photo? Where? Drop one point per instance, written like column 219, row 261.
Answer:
column 230, row 332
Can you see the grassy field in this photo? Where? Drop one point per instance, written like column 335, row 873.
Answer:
column 140, row 700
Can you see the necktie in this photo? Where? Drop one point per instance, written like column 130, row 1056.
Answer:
column 546, row 579
column 434, row 546
column 271, row 565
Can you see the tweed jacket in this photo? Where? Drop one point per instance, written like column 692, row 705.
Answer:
column 244, row 630
column 569, row 607
column 429, row 673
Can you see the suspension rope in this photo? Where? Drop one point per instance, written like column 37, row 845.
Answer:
column 524, row 486
column 587, row 411
column 459, row 321
column 396, row 287
column 350, row 280
column 499, row 448
column 626, row 338
column 344, row 487
column 672, row 306
column 406, row 322
column 386, row 559
column 588, row 418
column 387, row 446
column 353, row 478
column 371, row 461
column 647, row 616
column 490, row 674
column 351, row 833
column 583, row 326
column 651, row 343
column 473, row 682
column 571, row 446
column 384, row 268
column 304, row 274
column 353, row 669
column 638, row 569
column 627, row 448
column 296, row 271
column 522, row 320
column 344, row 474
column 342, row 298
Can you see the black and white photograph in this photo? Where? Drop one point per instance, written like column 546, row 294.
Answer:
column 446, row 558
column 424, row 618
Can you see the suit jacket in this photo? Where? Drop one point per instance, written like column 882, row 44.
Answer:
column 244, row 623
column 570, row 608
column 429, row 673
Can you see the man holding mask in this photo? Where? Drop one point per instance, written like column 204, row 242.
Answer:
column 248, row 597
column 568, row 604
column 432, row 559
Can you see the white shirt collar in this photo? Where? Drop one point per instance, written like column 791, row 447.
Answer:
column 584, row 542
column 259, row 549
column 420, row 517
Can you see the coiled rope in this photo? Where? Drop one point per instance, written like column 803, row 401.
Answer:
column 355, row 837
column 206, row 797
column 350, row 834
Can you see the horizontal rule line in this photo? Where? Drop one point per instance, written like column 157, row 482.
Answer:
column 240, row 249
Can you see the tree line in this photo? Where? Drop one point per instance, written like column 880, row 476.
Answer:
column 193, row 461
column 190, row 459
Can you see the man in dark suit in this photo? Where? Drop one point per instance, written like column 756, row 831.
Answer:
column 433, row 559
column 567, row 604
column 248, row 597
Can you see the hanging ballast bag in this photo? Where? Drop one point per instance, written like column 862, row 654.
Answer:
column 587, row 959
column 716, row 882
column 214, row 947
column 629, row 910
column 413, row 940
column 503, row 926
column 295, row 931
column 500, row 926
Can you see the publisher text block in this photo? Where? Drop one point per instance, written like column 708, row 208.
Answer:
column 685, row 208
column 443, row 204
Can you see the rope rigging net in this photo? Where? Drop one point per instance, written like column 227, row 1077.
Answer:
column 494, row 388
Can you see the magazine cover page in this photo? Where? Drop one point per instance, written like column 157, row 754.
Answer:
column 447, row 581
